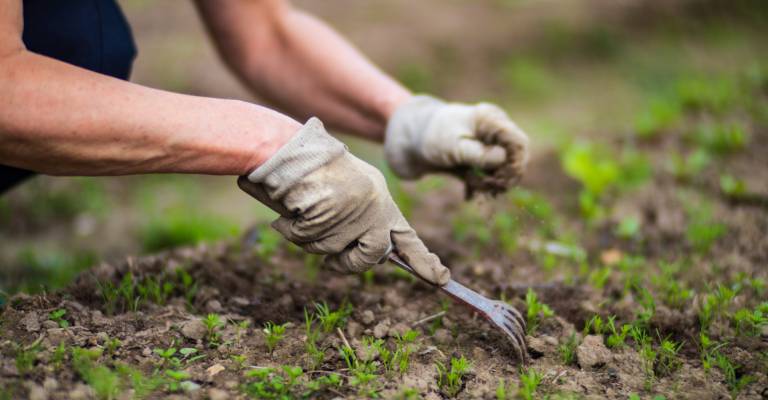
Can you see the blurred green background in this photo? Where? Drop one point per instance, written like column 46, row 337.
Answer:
column 564, row 69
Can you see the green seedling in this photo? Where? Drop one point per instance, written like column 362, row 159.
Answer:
column 58, row 317
column 26, row 357
column 594, row 325
column 721, row 139
column 104, row 382
column 177, row 379
column 530, row 379
column 450, row 379
column 59, row 356
column 686, row 168
column 648, row 305
column 402, row 354
column 628, row 228
column 330, row 320
column 277, row 383
column 750, row 322
column 127, row 289
column 363, row 373
column 702, row 230
column 213, row 323
column 273, row 334
column 714, row 305
column 155, row 290
column 567, row 350
column 316, row 354
column 167, row 355
column 188, row 285
column 707, row 93
column 111, row 345
column 239, row 360
column 668, row 359
column 616, row 336
column 142, row 386
column 662, row 113
column 672, row 290
column 109, row 295
column 536, row 311
column 503, row 390
column 736, row 382
column 732, row 187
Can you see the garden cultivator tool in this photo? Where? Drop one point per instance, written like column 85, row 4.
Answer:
column 498, row 313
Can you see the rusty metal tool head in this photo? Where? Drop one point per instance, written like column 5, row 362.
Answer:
column 498, row 313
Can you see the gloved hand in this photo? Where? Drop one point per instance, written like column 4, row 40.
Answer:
column 478, row 143
column 333, row 203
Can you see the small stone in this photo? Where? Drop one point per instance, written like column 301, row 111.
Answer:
column 214, row 370
column 443, row 336
column 230, row 384
column 240, row 302
column 550, row 340
column 381, row 329
column 146, row 352
column 81, row 392
column 48, row 324
column 353, row 328
column 394, row 298
column 36, row 392
column 592, row 353
column 214, row 306
column 189, row 386
column 50, row 384
column 193, row 329
column 367, row 317
column 31, row 322
column 57, row 335
column 536, row 346
column 217, row 394
column 102, row 337
column 398, row 329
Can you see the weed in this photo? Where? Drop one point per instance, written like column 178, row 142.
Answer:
column 26, row 357
column 363, row 373
column 594, row 325
column 530, row 379
column 502, row 390
column 668, row 361
column 661, row 113
column 142, row 386
column 648, row 306
column 167, row 355
column 616, row 337
column 155, row 290
column 59, row 356
column 736, row 382
column 732, row 187
column 104, row 381
column 686, row 168
column 750, row 322
column 330, row 320
column 647, row 354
column 567, row 350
column 702, row 230
column 177, row 379
column 450, row 379
column 628, row 228
column 536, row 311
column 239, row 360
column 316, row 355
column 721, row 139
column 714, row 304
column 273, row 334
column 58, row 317
column 213, row 323
column 189, row 286
column 402, row 354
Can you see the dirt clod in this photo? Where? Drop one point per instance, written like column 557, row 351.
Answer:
column 592, row 353
column 381, row 329
column 31, row 322
column 193, row 329
column 367, row 317
column 217, row 394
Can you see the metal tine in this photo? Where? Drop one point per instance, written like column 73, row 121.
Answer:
column 515, row 315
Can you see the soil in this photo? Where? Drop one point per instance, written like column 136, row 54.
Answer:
column 240, row 285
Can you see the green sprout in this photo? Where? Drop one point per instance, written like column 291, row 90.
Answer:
column 273, row 334
column 450, row 379
column 530, row 380
column 567, row 350
column 58, row 317
column 213, row 323
column 330, row 320
column 536, row 312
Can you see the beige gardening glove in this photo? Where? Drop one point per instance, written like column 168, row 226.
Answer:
column 333, row 203
column 477, row 143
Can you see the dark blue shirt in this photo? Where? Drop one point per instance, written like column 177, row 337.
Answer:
column 91, row 34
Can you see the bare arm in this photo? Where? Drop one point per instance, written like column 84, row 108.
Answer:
column 302, row 65
column 59, row 119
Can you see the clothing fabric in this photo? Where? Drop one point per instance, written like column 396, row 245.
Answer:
column 91, row 34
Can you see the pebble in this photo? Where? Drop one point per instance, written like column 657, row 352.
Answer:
column 443, row 336
column 50, row 384
column 381, row 329
column 353, row 328
column 98, row 319
column 146, row 352
column 36, row 392
column 592, row 353
column 193, row 329
column 214, row 306
column 50, row 324
column 367, row 317
column 398, row 329
column 240, row 302
column 81, row 392
column 394, row 299
column 57, row 335
column 31, row 322
column 231, row 384
column 214, row 370
column 536, row 346
column 217, row 394
column 102, row 337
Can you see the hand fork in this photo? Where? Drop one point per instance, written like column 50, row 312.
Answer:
column 498, row 313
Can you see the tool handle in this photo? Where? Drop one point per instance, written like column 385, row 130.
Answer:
column 457, row 291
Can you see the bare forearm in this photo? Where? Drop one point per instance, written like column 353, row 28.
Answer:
column 63, row 120
column 303, row 66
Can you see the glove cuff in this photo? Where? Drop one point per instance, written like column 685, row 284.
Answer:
column 402, row 142
column 311, row 148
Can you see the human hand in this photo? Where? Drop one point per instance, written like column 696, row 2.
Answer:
column 477, row 143
column 335, row 204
